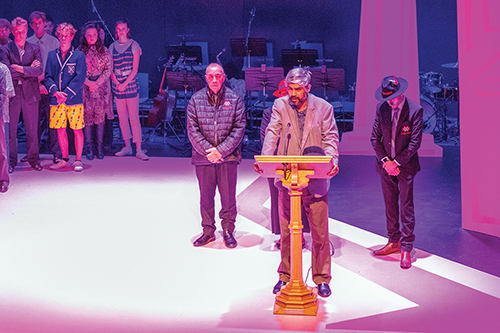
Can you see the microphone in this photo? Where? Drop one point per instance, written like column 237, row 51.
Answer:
column 287, row 138
column 287, row 143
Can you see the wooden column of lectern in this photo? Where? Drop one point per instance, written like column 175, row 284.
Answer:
column 296, row 298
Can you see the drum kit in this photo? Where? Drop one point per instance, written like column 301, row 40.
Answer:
column 440, row 102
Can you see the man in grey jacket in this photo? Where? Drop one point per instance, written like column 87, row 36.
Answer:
column 302, row 122
column 216, row 125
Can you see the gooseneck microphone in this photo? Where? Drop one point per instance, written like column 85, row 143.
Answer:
column 287, row 138
column 285, row 152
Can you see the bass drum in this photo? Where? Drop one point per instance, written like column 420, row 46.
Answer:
column 429, row 117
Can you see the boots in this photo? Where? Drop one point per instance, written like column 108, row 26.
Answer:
column 89, row 142
column 100, row 136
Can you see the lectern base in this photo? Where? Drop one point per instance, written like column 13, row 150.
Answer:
column 296, row 300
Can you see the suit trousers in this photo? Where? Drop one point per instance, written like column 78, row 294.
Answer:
column 51, row 133
column 4, row 161
column 317, row 213
column 221, row 176
column 30, row 117
column 398, row 190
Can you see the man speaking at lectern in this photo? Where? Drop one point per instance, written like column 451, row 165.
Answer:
column 303, row 124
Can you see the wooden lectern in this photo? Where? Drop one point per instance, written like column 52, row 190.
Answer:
column 295, row 298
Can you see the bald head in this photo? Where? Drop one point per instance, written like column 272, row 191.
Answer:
column 215, row 77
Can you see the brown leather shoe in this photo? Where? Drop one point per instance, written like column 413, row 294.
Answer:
column 405, row 260
column 388, row 249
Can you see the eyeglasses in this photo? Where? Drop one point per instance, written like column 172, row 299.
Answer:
column 211, row 77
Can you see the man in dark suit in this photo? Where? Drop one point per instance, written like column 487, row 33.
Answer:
column 396, row 138
column 25, row 64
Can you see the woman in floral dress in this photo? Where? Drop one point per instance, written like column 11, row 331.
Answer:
column 97, row 98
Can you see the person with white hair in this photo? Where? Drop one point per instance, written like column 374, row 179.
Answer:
column 303, row 124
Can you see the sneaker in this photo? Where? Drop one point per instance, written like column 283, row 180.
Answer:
column 126, row 151
column 78, row 166
column 141, row 154
column 59, row 165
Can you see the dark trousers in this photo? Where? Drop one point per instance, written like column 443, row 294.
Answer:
column 4, row 166
column 275, row 216
column 221, row 176
column 30, row 116
column 317, row 213
column 399, row 190
column 44, row 132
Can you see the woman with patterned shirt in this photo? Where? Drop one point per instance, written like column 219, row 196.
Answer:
column 97, row 98
column 125, row 53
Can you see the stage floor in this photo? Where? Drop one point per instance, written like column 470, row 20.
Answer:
column 110, row 250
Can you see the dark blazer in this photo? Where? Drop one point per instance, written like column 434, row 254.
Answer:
column 66, row 75
column 408, row 136
column 9, row 55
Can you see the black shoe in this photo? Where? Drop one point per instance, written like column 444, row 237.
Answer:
column 204, row 240
column 11, row 169
column 89, row 154
column 4, row 187
column 37, row 166
column 278, row 244
column 24, row 159
column 324, row 290
column 100, row 153
column 277, row 287
column 229, row 240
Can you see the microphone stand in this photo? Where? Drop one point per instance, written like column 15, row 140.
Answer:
column 94, row 9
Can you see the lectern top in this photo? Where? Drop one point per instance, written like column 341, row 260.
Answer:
column 269, row 164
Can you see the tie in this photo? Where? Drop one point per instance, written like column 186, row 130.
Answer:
column 395, row 114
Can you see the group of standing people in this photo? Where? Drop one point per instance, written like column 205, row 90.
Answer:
column 303, row 124
column 55, row 85
column 77, row 83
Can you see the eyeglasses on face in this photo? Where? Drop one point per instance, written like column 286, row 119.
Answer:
column 218, row 77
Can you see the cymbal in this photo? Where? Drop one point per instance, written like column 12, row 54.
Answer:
column 450, row 65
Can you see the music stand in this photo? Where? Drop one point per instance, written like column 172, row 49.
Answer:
column 257, row 47
column 189, row 51
column 324, row 78
column 183, row 81
column 262, row 78
column 298, row 57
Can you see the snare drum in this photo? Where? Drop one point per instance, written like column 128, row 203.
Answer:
column 450, row 93
column 433, row 82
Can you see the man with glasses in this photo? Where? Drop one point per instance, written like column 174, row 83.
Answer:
column 216, row 126
column 396, row 137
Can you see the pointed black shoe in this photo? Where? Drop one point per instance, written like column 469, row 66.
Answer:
column 277, row 287
column 229, row 239
column 324, row 290
column 204, row 240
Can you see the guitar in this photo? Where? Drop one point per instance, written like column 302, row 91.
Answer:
column 157, row 112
